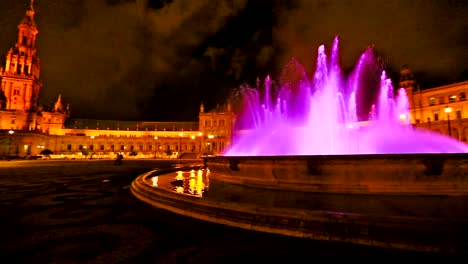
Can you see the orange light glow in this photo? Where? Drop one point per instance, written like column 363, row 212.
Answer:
column 180, row 175
column 155, row 180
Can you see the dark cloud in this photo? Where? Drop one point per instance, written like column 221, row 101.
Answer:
column 429, row 35
column 264, row 56
column 214, row 54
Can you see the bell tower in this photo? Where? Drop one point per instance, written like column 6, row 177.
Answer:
column 408, row 83
column 19, row 75
column 406, row 78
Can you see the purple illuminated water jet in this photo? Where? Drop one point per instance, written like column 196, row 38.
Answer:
column 320, row 116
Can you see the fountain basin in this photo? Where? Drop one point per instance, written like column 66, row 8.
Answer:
column 426, row 211
column 421, row 174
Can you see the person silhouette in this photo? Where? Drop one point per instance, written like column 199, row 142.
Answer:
column 118, row 160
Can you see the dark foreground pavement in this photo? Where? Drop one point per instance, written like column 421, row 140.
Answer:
column 82, row 211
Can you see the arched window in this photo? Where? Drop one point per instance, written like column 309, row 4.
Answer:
column 452, row 98
column 441, row 100
column 462, row 96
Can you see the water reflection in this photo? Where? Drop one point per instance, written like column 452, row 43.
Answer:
column 189, row 182
column 179, row 176
column 154, row 181
column 179, row 189
column 192, row 182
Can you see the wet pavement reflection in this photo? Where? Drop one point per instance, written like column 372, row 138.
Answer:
column 187, row 182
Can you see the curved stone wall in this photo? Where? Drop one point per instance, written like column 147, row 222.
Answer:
column 432, row 174
column 225, row 205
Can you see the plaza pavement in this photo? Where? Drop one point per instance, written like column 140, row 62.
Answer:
column 83, row 212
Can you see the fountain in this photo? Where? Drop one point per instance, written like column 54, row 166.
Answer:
column 310, row 137
column 319, row 116
column 307, row 162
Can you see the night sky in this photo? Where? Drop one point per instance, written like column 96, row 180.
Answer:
column 158, row 60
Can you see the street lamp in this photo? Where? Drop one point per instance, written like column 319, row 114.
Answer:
column 210, row 146
column 403, row 119
column 85, row 150
column 155, row 148
column 194, row 142
column 200, row 134
column 180, row 142
column 11, row 132
column 448, row 110
column 92, row 147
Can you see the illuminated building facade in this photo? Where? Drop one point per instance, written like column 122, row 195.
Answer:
column 443, row 109
column 26, row 128
column 20, row 86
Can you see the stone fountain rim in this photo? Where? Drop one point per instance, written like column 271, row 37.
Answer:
column 340, row 156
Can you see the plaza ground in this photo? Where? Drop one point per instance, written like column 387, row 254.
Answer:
column 83, row 211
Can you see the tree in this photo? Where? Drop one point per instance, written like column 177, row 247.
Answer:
column 85, row 152
column 168, row 152
column 46, row 152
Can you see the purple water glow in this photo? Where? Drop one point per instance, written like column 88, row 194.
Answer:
column 320, row 116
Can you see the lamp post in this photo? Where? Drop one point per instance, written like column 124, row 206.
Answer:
column 193, row 143
column 448, row 110
column 92, row 147
column 200, row 134
column 11, row 132
column 155, row 148
column 211, row 150
column 85, row 152
column 180, row 142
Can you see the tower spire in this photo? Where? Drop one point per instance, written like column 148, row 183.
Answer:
column 202, row 108
column 22, row 67
column 30, row 11
column 58, row 107
column 28, row 21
